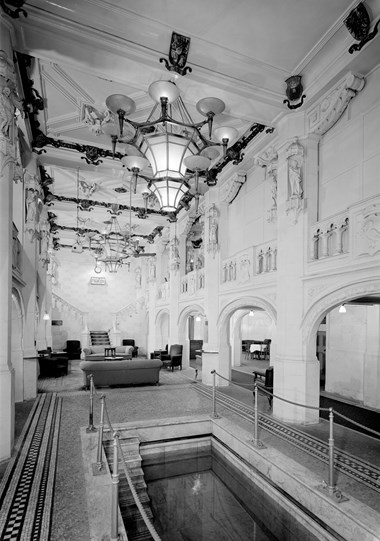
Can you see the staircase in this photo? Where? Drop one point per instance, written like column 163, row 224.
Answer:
column 134, row 523
column 100, row 338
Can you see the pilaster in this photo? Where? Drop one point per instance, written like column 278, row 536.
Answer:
column 296, row 377
column 7, row 162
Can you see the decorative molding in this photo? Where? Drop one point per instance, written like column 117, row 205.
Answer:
column 328, row 110
column 229, row 190
column 368, row 231
column 332, row 299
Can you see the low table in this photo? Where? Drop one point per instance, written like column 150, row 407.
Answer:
column 113, row 358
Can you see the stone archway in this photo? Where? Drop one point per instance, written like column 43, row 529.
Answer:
column 223, row 323
column 183, row 334
column 17, row 354
column 162, row 328
column 326, row 303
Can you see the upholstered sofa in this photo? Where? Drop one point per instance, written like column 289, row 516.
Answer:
column 126, row 372
column 96, row 353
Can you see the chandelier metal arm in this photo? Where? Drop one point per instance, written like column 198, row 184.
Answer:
column 165, row 119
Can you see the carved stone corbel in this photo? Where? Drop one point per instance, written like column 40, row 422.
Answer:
column 229, row 190
column 328, row 109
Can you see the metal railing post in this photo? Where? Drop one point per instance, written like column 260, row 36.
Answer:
column 115, row 490
column 99, row 461
column 331, row 484
column 256, row 442
column 214, row 414
column 91, row 427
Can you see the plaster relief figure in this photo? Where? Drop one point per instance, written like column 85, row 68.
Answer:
column 245, row 269
column 295, row 161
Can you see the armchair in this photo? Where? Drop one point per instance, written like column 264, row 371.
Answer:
column 73, row 349
column 264, row 379
column 131, row 342
column 173, row 358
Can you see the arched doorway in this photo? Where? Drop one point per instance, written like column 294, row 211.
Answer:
column 350, row 318
column 162, row 329
column 192, row 325
column 232, row 326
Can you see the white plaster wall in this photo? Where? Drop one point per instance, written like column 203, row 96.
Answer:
column 350, row 153
column 346, row 344
column 247, row 223
column 100, row 301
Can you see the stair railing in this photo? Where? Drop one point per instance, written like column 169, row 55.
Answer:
column 117, row 452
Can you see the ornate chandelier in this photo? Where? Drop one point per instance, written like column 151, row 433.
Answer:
column 169, row 142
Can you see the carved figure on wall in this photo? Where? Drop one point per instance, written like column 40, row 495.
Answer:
column 273, row 191
column 9, row 101
column 152, row 270
column 295, row 176
column 53, row 268
column 138, row 277
column 245, row 269
column 213, row 230
column 31, row 211
column 295, row 160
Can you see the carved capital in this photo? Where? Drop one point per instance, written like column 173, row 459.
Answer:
column 332, row 105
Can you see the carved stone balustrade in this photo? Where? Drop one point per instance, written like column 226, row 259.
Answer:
column 330, row 237
column 193, row 283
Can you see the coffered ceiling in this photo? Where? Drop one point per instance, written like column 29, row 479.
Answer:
column 241, row 51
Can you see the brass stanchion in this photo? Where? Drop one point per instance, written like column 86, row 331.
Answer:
column 214, row 414
column 91, row 427
column 115, row 490
column 99, row 461
column 330, row 487
column 256, row 442
column 331, row 484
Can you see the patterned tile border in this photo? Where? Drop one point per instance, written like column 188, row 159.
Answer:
column 26, row 491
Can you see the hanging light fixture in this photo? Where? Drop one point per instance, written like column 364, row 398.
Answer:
column 168, row 138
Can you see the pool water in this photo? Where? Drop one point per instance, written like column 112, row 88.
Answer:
column 207, row 497
column 198, row 506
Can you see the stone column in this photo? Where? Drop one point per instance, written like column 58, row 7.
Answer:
column 7, row 163
column 174, row 285
column 296, row 378
column 31, row 368
column 212, row 354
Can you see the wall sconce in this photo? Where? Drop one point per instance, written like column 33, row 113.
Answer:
column 251, row 313
column 294, row 91
column 358, row 24
column 342, row 309
column 46, row 317
column 198, row 318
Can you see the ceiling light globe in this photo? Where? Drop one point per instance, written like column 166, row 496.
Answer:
column 210, row 105
column 197, row 163
column 137, row 162
column 119, row 102
column 110, row 129
column 163, row 89
column 226, row 132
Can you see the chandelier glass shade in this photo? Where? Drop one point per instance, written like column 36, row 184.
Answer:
column 169, row 193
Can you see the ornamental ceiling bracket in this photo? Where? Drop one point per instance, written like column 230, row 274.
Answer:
column 328, row 109
column 231, row 187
